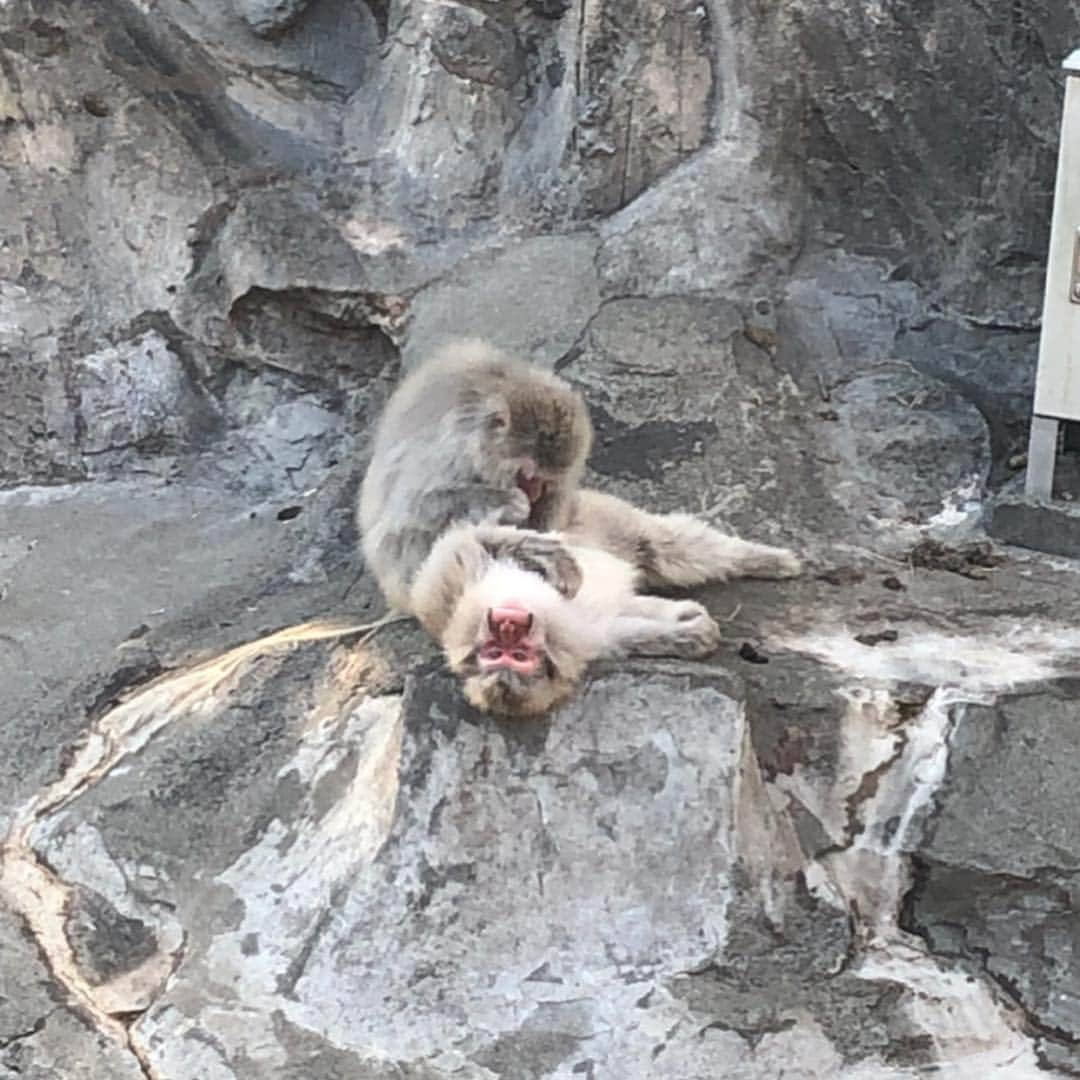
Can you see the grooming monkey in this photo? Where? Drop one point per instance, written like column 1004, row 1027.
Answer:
column 472, row 437
column 473, row 521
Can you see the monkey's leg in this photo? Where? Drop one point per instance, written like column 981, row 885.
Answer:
column 542, row 553
column 674, row 549
column 677, row 549
column 650, row 626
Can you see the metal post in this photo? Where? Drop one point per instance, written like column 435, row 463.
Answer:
column 1042, row 452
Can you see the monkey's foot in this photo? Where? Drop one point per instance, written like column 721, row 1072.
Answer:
column 695, row 633
column 744, row 558
column 516, row 511
column 773, row 562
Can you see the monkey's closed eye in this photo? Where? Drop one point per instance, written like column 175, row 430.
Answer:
column 498, row 423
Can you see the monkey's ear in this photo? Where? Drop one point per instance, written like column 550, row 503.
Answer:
column 495, row 413
column 484, row 411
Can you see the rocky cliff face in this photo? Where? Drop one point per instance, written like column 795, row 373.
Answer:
column 792, row 254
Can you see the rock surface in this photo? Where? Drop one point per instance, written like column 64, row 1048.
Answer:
column 793, row 257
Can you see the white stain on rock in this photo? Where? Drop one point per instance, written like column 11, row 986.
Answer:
column 973, row 1032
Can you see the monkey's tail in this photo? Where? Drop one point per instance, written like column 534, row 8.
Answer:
column 322, row 629
column 369, row 630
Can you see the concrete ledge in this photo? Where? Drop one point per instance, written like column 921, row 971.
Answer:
column 1053, row 527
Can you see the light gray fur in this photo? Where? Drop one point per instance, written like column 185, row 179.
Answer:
column 672, row 549
column 595, row 612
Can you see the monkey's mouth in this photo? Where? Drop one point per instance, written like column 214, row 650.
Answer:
column 508, row 645
column 531, row 484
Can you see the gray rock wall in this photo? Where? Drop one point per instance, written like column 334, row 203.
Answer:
column 792, row 254
column 281, row 187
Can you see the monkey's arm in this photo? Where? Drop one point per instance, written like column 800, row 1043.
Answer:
column 398, row 543
column 673, row 549
column 650, row 626
column 474, row 503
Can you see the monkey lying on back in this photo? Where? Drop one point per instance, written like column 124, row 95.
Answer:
column 472, row 521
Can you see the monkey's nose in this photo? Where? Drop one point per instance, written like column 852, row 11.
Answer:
column 509, row 623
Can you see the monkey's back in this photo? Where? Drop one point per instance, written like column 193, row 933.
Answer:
column 433, row 446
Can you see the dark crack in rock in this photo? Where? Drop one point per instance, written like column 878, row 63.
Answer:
column 765, row 982
column 995, row 888
column 105, row 942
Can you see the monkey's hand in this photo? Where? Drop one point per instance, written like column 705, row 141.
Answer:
column 653, row 626
column 515, row 511
column 695, row 632
column 541, row 553
column 472, row 503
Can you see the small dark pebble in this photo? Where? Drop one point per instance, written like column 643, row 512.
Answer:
column 95, row 105
column 750, row 654
column 842, row 575
column 878, row 638
column 829, row 414
column 894, row 583
column 287, row 513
